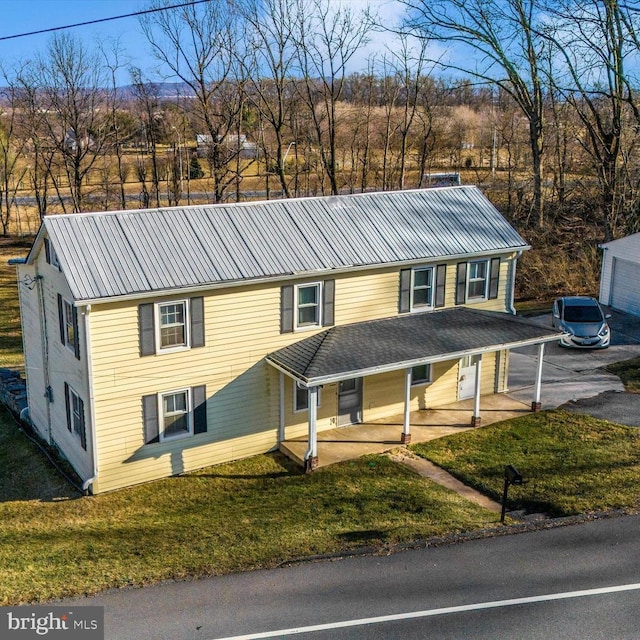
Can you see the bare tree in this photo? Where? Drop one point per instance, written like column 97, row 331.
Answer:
column 12, row 147
column 271, row 51
column 328, row 37
column 591, row 40
column 199, row 45
column 507, row 48
column 77, row 123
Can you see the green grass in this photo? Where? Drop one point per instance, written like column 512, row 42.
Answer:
column 251, row 514
column 629, row 372
column 572, row 463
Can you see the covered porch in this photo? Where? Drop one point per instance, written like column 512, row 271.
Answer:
column 378, row 436
column 364, row 350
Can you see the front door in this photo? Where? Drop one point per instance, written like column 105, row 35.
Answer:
column 467, row 377
column 349, row 402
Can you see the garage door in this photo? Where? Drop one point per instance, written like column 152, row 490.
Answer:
column 625, row 286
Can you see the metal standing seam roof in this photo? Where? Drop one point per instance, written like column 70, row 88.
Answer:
column 363, row 348
column 125, row 253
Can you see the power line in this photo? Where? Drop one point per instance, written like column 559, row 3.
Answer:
column 98, row 20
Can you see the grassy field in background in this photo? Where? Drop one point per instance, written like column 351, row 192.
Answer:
column 629, row 372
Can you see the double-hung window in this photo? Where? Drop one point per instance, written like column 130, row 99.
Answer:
column 68, row 319
column 175, row 412
column 422, row 288
column 477, row 280
column 421, row 374
column 75, row 415
column 301, row 398
column 172, row 325
column 308, row 305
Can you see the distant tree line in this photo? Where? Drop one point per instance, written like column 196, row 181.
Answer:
column 537, row 97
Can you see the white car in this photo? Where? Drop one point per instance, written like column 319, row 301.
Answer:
column 583, row 321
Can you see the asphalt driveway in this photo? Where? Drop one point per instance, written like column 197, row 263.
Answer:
column 576, row 380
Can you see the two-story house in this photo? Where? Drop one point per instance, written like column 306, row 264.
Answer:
column 162, row 341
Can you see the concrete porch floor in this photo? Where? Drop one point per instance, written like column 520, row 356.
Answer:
column 347, row 443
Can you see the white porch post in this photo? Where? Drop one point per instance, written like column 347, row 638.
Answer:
column 281, row 425
column 536, row 405
column 475, row 419
column 406, row 428
column 311, row 456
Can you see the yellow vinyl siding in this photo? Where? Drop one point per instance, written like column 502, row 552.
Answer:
column 242, row 325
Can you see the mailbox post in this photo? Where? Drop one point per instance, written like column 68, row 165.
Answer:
column 511, row 476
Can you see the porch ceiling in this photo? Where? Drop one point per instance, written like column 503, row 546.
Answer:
column 375, row 346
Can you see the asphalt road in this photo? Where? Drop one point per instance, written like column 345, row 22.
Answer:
column 532, row 585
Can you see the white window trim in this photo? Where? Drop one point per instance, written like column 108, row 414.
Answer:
column 295, row 409
column 424, row 307
column 296, row 288
column 484, row 295
column 424, row 382
column 72, row 415
column 187, row 325
column 161, row 416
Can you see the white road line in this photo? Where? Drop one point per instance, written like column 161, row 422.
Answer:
column 433, row 612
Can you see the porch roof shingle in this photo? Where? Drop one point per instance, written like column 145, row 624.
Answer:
column 375, row 346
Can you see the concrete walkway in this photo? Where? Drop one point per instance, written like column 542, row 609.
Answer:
column 427, row 469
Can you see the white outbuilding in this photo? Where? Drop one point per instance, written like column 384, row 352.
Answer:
column 620, row 277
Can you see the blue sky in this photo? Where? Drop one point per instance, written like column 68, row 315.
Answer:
column 23, row 16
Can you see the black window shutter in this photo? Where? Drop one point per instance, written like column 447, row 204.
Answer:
column 328, row 303
column 494, row 279
column 404, row 304
column 197, row 322
column 150, row 418
column 146, row 330
column 67, row 401
column 47, row 250
column 441, row 278
column 83, row 428
column 199, row 397
column 76, row 346
column 61, row 319
column 461, row 282
column 286, row 308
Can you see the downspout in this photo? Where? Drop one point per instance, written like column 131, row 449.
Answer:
column 92, row 414
column 512, row 289
column 45, row 352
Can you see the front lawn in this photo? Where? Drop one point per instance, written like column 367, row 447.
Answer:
column 629, row 372
column 234, row 517
column 572, row 463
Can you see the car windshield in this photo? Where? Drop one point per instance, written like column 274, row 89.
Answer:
column 582, row 313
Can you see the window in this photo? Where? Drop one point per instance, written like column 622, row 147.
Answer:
column 75, row 414
column 172, row 325
column 175, row 412
column 308, row 305
column 477, row 280
column 301, row 398
column 308, row 308
column 422, row 289
column 68, row 318
column 421, row 374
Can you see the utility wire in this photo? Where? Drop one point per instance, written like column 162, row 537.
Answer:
column 98, row 20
